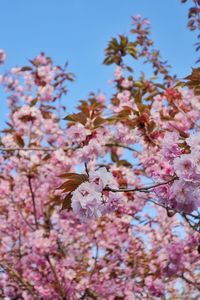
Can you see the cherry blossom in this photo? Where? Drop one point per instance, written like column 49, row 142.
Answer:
column 102, row 203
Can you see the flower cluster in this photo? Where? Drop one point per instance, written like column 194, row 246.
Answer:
column 89, row 200
column 183, row 193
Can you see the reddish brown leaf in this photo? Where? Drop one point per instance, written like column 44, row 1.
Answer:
column 18, row 139
column 26, row 68
column 73, row 181
column 67, row 202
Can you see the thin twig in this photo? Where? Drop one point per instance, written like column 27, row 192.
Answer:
column 196, row 285
column 141, row 189
column 175, row 211
column 21, row 214
column 20, row 279
column 33, row 149
column 88, row 291
column 121, row 146
column 189, row 221
column 58, row 283
column 86, row 169
column 33, row 200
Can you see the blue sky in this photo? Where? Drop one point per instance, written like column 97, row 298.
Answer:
column 78, row 31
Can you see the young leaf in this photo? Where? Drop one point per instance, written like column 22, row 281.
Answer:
column 67, row 202
column 18, row 139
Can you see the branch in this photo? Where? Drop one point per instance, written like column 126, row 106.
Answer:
column 33, row 149
column 20, row 279
column 58, row 283
column 33, row 200
column 141, row 189
column 91, row 294
column 184, row 215
column 88, row 291
column 46, row 149
column 196, row 285
column 193, row 226
column 148, row 189
column 122, row 146
column 21, row 214
column 86, row 169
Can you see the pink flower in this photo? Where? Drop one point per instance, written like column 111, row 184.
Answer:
column 124, row 97
column 77, row 133
column 101, row 98
column 176, row 258
column 126, row 135
column 87, row 201
column 46, row 92
column 184, row 196
column 126, row 84
column 155, row 286
column 194, row 141
column 91, row 151
column 101, row 178
column 118, row 73
column 170, row 148
column 184, row 166
column 8, row 141
column 41, row 59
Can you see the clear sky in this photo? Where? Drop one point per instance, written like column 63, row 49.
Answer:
column 78, row 31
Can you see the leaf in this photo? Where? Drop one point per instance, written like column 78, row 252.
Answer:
column 79, row 117
column 195, row 76
column 74, row 176
column 115, row 101
column 67, row 202
column 124, row 162
column 98, row 121
column 67, row 175
column 85, row 110
column 9, row 124
column 109, row 60
column 132, row 50
column 27, row 118
column 33, row 102
column 194, row 81
column 9, row 130
column 141, row 107
column 114, row 156
column 129, row 69
column 46, row 114
column 26, row 68
column 46, row 157
column 123, row 41
column 35, row 63
column 47, row 107
column 138, row 84
column 72, row 182
column 170, row 212
column 18, row 139
column 69, row 186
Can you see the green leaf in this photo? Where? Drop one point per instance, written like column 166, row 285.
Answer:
column 33, row 102
column 109, row 60
column 132, row 50
column 98, row 121
column 79, row 117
